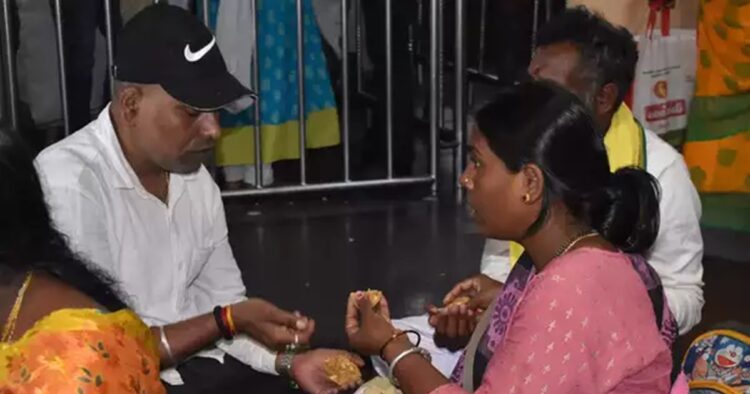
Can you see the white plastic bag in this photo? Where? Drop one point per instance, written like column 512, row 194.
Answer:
column 664, row 78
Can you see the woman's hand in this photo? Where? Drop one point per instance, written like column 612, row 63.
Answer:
column 454, row 323
column 481, row 291
column 273, row 327
column 308, row 370
column 368, row 327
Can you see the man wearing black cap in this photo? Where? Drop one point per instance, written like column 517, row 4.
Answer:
column 131, row 193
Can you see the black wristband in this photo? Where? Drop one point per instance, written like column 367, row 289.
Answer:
column 226, row 333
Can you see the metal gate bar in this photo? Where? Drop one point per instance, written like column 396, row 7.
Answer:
column 10, row 66
column 459, row 111
column 434, row 107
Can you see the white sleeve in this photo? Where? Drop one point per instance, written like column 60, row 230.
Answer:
column 677, row 254
column 220, row 283
column 250, row 353
column 496, row 260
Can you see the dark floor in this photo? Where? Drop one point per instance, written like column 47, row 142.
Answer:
column 310, row 255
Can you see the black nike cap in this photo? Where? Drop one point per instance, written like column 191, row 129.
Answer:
column 166, row 45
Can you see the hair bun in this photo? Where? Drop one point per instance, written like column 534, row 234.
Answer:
column 626, row 211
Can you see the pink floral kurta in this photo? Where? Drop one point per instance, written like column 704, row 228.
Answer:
column 585, row 324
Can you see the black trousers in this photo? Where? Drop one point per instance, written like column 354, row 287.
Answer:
column 403, row 84
column 205, row 375
column 80, row 21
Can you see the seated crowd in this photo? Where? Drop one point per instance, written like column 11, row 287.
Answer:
column 118, row 276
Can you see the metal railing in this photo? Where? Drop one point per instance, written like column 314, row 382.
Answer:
column 435, row 103
column 10, row 83
column 346, row 99
column 459, row 109
column 61, row 65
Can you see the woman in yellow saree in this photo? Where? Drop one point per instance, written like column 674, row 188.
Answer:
column 64, row 327
column 718, row 140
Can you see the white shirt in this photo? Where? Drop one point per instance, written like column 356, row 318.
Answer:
column 173, row 261
column 677, row 254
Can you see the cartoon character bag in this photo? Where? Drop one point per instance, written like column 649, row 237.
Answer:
column 719, row 362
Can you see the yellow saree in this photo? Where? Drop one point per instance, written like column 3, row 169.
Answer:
column 82, row 351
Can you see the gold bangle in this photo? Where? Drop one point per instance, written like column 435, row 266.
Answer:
column 230, row 320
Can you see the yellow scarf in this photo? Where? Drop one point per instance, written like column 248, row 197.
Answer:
column 626, row 147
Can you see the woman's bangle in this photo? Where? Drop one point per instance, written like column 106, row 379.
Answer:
column 395, row 336
column 165, row 344
column 415, row 350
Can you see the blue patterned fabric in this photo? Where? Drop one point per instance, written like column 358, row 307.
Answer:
column 277, row 51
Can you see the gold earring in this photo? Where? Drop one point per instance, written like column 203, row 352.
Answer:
column 526, row 198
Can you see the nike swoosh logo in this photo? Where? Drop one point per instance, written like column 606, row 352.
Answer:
column 193, row 57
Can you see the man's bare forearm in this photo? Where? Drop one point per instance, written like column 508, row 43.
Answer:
column 186, row 338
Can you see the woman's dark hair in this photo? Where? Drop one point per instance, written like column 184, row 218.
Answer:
column 28, row 239
column 543, row 124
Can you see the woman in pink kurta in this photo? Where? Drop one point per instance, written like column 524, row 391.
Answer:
column 585, row 324
column 582, row 311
